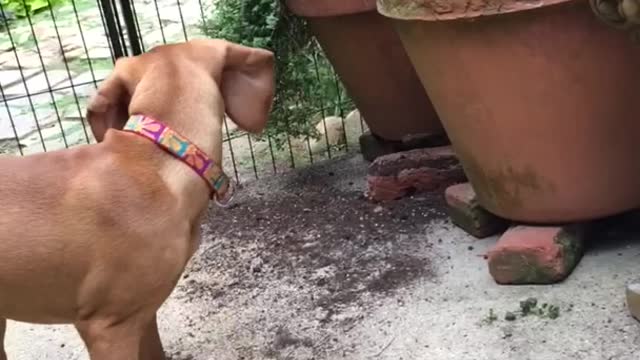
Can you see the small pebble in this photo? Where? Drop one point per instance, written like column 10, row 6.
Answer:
column 633, row 299
column 256, row 265
column 321, row 314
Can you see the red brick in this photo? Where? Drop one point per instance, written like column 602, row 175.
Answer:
column 395, row 175
column 466, row 213
column 536, row 254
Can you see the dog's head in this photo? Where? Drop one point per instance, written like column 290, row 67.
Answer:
column 244, row 76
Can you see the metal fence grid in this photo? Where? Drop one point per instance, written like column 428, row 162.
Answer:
column 51, row 62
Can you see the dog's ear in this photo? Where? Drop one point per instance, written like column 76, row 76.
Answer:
column 247, row 85
column 108, row 107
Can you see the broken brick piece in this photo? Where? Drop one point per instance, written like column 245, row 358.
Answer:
column 466, row 213
column 633, row 300
column 395, row 175
column 536, row 254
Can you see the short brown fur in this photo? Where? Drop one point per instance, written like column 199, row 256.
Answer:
column 99, row 235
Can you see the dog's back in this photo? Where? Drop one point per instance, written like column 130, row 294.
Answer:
column 110, row 212
column 99, row 235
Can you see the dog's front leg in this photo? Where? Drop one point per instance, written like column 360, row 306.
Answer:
column 3, row 327
column 113, row 341
column 151, row 346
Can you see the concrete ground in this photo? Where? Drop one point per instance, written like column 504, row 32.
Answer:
column 305, row 268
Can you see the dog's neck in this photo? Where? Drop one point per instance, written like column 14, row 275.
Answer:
column 198, row 119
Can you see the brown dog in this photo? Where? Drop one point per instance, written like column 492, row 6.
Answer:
column 99, row 235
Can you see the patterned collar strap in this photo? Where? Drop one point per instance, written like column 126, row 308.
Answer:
column 222, row 188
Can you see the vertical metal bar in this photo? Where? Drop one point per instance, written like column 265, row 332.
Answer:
column 273, row 158
column 135, row 16
column 24, row 80
column 184, row 27
column 322, row 111
column 293, row 161
column 69, row 75
column 46, row 76
column 13, row 124
column 112, row 29
column 164, row 39
column 307, row 140
column 130, row 23
column 84, row 44
column 104, row 26
column 202, row 12
column 253, row 158
column 4, row 98
column 116, row 17
column 233, row 159
column 339, row 103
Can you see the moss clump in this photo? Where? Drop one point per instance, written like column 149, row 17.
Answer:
column 528, row 307
column 571, row 241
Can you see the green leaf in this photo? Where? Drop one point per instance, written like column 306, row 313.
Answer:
column 301, row 90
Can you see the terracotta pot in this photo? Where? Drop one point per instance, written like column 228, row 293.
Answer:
column 540, row 105
column 369, row 58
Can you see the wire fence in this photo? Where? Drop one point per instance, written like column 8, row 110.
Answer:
column 51, row 61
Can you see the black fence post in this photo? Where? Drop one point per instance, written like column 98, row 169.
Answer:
column 112, row 28
column 132, row 31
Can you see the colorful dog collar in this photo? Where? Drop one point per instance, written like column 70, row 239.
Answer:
column 177, row 145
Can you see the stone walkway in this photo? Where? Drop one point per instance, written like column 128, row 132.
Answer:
column 34, row 61
column 48, row 72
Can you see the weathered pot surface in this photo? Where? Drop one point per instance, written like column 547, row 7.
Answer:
column 430, row 10
column 315, row 8
column 541, row 107
column 368, row 56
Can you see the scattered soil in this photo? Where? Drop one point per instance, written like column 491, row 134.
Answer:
column 315, row 252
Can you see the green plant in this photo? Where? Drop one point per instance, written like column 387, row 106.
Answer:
column 22, row 8
column 305, row 83
column 490, row 318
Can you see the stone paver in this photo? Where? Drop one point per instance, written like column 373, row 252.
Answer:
column 38, row 83
column 9, row 78
column 78, row 52
column 24, row 123
column 53, row 139
column 51, row 51
column 28, row 60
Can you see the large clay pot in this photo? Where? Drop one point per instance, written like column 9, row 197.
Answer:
column 369, row 58
column 540, row 105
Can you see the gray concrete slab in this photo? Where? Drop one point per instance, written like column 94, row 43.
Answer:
column 436, row 309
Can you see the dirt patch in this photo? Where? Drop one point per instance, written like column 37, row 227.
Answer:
column 313, row 255
column 336, row 241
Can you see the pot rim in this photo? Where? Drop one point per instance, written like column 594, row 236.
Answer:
column 443, row 10
column 325, row 8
